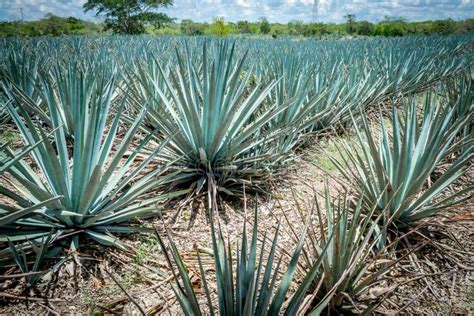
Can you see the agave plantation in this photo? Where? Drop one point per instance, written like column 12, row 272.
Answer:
column 115, row 133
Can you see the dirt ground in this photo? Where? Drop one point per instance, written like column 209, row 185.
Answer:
column 436, row 279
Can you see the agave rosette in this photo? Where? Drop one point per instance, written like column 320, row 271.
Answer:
column 398, row 166
column 216, row 124
column 87, row 188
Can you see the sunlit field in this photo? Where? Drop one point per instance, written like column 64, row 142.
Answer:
column 196, row 175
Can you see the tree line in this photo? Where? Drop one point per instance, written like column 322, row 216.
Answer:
column 52, row 25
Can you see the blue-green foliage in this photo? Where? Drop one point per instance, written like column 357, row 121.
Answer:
column 218, row 112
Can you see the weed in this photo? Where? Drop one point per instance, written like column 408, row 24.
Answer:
column 147, row 245
column 186, row 215
column 8, row 135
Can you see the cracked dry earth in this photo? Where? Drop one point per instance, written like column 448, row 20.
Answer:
column 436, row 279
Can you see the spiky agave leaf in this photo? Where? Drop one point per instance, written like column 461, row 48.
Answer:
column 352, row 261
column 397, row 167
column 460, row 93
column 21, row 70
column 11, row 215
column 216, row 124
column 41, row 251
column 141, row 82
column 92, row 188
column 294, row 79
column 4, row 117
column 253, row 286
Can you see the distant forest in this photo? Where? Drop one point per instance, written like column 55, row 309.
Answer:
column 52, row 25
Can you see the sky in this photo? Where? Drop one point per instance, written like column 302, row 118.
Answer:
column 252, row 10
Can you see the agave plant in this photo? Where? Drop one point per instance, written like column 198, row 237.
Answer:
column 398, row 171
column 216, row 124
column 142, row 82
column 4, row 117
column 21, row 69
column 4, row 148
column 89, row 188
column 41, row 251
column 461, row 93
column 306, row 109
column 352, row 263
column 19, row 77
column 249, row 288
column 40, row 248
column 58, row 91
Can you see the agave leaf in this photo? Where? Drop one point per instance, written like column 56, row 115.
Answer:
column 186, row 296
column 10, row 218
column 76, row 160
column 106, row 240
column 399, row 172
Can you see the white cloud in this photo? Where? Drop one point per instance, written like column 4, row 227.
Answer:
column 274, row 10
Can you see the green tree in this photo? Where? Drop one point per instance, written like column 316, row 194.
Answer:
column 265, row 26
column 391, row 26
column 364, row 28
column 50, row 25
column 243, row 27
column 444, row 27
column 296, row 27
column 219, row 28
column 350, row 23
column 315, row 29
column 466, row 25
column 189, row 27
column 130, row 16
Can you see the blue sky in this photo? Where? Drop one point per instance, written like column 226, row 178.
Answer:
column 274, row 10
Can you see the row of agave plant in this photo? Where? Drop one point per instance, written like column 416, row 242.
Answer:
column 216, row 117
column 355, row 242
